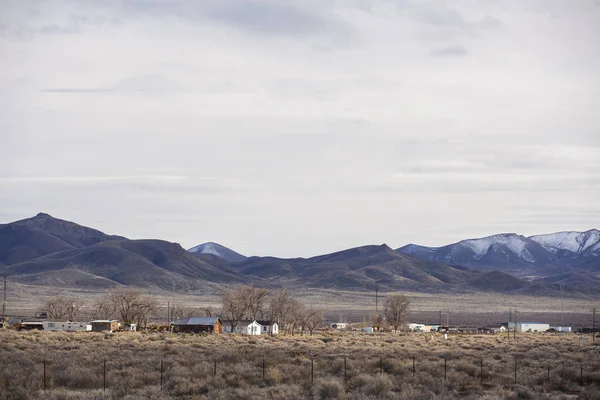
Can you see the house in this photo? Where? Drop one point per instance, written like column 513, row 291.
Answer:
column 269, row 327
column 338, row 325
column 529, row 326
column 67, row 326
column 105, row 325
column 130, row 327
column 492, row 329
column 245, row 327
column 197, row 325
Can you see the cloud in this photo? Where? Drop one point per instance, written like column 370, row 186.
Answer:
column 449, row 51
column 257, row 121
column 77, row 90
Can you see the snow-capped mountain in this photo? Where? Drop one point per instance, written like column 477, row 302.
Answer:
column 573, row 242
column 492, row 252
column 516, row 253
column 218, row 250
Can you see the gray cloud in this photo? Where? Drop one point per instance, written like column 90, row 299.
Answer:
column 449, row 51
column 76, row 90
column 266, row 124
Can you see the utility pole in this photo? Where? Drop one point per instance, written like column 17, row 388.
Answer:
column 440, row 318
column 515, row 330
column 4, row 299
column 594, row 324
column 562, row 307
column 168, row 315
column 377, row 298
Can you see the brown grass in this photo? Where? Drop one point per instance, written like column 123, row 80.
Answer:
column 378, row 366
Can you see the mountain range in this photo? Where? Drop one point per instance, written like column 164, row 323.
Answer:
column 47, row 251
column 519, row 255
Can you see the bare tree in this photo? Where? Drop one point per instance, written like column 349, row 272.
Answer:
column 147, row 306
column 395, row 309
column 181, row 312
column 132, row 306
column 208, row 311
column 313, row 319
column 280, row 305
column 63, row 307
column 235, row 305
column 256, row 300
column 294, row 316
column 103, row 308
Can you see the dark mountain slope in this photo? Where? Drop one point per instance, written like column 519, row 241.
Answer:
column 41, row 235
column 359, row 268
column 145, row 263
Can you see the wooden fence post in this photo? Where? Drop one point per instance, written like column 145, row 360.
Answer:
column 312, row 370
column 44, row 374
column 345, row 370
column 414, row 367
column 161, row 374
column 104, row 376
column 445, row 366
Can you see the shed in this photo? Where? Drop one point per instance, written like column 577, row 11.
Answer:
column 269, row 327
column 367, row 329
column 105, row 325
column 198, row 325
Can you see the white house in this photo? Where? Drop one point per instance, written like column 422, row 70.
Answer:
column 529, row 326
column 269, row 327
column 246, row 327
column 67, row 326
column 338, row 325
column 416, row 327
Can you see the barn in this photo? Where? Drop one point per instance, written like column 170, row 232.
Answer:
column 198, row 325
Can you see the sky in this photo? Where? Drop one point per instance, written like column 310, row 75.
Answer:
column 301, row 127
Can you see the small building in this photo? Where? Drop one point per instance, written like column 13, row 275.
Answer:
column 245, row 327
column 492, row 329
column 29, row 325
column 430, row 327
column 130, row 328
column 67, row 326
column 416, row 327
column 367, row 329
column 269, row 327
column 105, row 325
column 561, row 328
column 529, row 326
column 338, row 325
column 197, row 325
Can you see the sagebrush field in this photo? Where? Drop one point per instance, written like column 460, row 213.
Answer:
column 329, row 365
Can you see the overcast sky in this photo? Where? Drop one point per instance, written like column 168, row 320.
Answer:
column 294, row 128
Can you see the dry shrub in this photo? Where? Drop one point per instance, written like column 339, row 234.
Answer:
column 331, row 389
column 273, row 376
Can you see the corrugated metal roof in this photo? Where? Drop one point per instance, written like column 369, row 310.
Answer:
column 196, row 321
